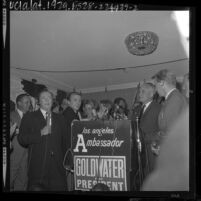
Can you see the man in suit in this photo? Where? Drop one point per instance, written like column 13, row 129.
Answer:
column 147, row 112
column 172, row 167
column 148, row 125
column 70, row 114
column 18, row 156
column 43, row 132
column 174, row 104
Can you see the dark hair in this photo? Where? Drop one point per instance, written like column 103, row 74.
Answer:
column 54, row 104
column 165, row 75
column 101, row 187
column 117, row 101
column 73, row 93
column 88, row 102
column 65, row 98
column 107, row 103
column 12, row 106
column 20, row 97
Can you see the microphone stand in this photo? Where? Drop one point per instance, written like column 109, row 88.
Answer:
column 139, row 147
column 47, row 138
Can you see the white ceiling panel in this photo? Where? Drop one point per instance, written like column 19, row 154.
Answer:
column 91, row 40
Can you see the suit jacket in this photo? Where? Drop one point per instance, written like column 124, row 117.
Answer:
column 172, row 168
column 43, row 149
column 172, row 108
column 19, row 152
column 149, row 122
column 69, row 116
column 148, row 128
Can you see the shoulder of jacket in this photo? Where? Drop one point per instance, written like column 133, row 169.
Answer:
column 176, row 96
column 31, row 114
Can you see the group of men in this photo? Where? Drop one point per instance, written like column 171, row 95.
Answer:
column 156, row 120
column 42, row 142
column 44, row 137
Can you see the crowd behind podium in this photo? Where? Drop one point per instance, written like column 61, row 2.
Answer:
column 40, row 135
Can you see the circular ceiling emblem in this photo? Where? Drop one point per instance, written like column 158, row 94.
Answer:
column 141, row 43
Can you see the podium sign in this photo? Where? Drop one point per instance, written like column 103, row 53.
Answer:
column 101, row 154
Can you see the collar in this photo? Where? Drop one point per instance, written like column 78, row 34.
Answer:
column 169, row 93
column 43, row 112
column 146, row 105
column 20, row 113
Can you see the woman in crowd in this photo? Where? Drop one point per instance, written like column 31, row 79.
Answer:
column 120, row 109
column 89, row 110
column 104, row 112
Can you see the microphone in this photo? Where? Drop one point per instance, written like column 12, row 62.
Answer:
column 138, row 134
column 49, row 121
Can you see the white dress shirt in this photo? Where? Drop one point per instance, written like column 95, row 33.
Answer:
column 146, row 106
column 44, row 113
column 20, row 113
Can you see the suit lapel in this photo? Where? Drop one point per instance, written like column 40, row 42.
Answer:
column 147, row 109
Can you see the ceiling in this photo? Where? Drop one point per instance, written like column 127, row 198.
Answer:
column 91, row 40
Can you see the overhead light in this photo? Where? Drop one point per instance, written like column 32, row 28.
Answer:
column 142, row 43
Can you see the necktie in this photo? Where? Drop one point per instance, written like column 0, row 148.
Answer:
column 46, row 116
column 48, row 120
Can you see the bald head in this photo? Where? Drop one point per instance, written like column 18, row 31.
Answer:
column 147, row 91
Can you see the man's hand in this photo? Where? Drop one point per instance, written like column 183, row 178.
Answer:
column 45, row 131
column 69, row 169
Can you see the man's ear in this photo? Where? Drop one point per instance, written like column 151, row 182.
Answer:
column 161, row 83
column 19, row 103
